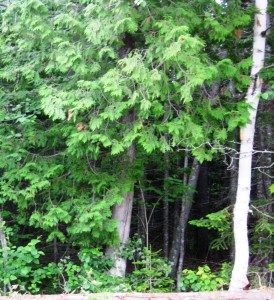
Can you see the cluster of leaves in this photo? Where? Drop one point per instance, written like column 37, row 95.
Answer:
column 22, row 271
column 205, row 280
column 221, row 222
column 20, row 267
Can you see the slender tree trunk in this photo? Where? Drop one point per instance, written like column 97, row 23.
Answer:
column 55, row 247
column 166, row 207
column 178, row 243
column 176, row 210
column 175, row 247
column 186, row 206
column 142, row 213
column 202, row 197
column 239, row 274
column 145, row 219
column 233, row 171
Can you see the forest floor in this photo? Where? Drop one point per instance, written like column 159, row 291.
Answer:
column 261, row 294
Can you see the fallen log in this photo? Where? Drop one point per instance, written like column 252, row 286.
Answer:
column 260, row 294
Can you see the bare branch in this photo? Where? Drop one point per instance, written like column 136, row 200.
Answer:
column 260, row 212
column 264, row 167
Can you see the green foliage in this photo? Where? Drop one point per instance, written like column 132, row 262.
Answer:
column 22, row 270
column 151, row 273
column 269, row 95
column 271, row 267
column 20, row 265
column 91, row 275
column 205, row 280
column 173, row 46
column 262, row 229
column 272, row 188
column 221, row 222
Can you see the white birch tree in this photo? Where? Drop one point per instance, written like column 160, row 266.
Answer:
column 239, row 274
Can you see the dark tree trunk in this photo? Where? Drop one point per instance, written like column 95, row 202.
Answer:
column 178, row 243
column 166, row 208
column 203, row 202
column 142, row 213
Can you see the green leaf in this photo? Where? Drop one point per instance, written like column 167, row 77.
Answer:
column 25, row 271
column 116, row 147
column 272, row 188
column 12, row 277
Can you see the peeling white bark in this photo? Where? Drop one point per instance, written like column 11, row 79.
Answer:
column 239, row 274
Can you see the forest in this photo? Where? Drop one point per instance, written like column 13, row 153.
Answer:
column 136, row 146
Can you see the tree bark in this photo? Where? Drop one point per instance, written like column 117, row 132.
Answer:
column 202, row 197
column 239, row 274
column 185, row 211
column 166, row 207
column 122, row 213
column 178, row 243
column 142, row 213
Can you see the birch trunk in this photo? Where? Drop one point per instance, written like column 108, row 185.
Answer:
column 239, row 274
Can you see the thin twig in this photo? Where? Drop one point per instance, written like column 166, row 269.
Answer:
column 264, row 214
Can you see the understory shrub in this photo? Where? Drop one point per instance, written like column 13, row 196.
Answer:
column 89, row 275
column 151, row 273
column 204, row 279
column 22, row 272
